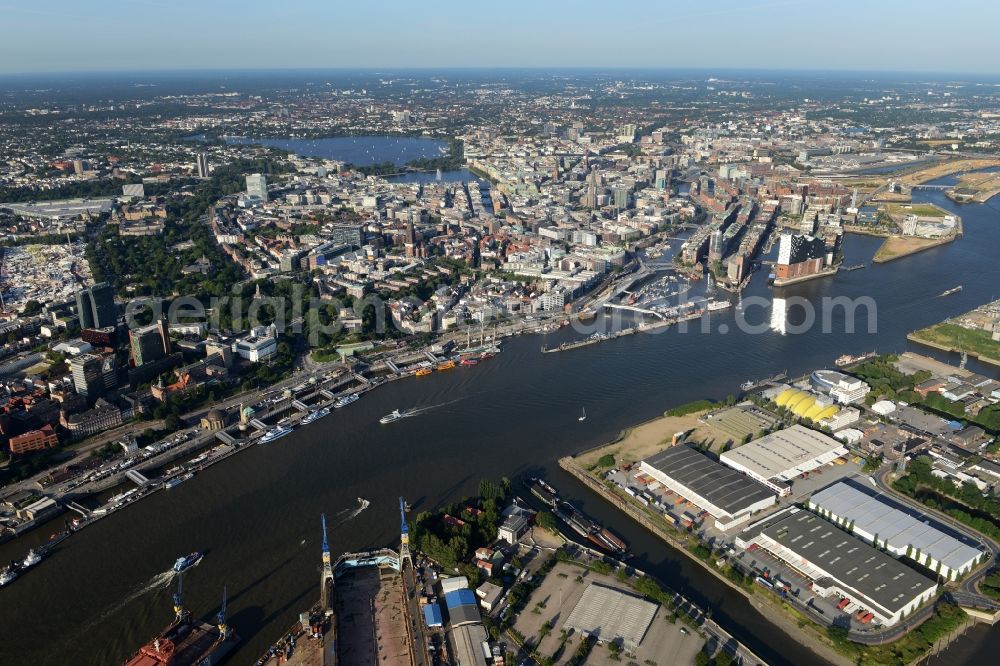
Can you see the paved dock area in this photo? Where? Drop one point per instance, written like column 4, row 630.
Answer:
column 372, row 619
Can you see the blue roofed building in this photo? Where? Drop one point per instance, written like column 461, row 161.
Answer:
column 463, row 608
column 432, row 616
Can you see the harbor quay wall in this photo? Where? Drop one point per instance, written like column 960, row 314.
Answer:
column 912, row 337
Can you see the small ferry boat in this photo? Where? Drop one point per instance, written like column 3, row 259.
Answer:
column 395, row 415
column 188, row 561
column 275, row 433
column 847, row 359
column 344, row 401
column 178, row 480
column 315, row 415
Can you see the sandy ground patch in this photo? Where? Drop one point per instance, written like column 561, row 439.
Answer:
column 899, row 246
column 643, row 440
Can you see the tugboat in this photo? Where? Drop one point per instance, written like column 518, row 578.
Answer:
column 188, row 561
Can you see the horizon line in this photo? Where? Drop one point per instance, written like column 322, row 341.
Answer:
column 494, row 68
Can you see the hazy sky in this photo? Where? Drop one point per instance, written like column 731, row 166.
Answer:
column 905, row 35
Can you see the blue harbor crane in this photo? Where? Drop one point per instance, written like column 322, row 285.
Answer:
column 221, row 617
column 326, row 576
column 404, row 536
column 179, row 609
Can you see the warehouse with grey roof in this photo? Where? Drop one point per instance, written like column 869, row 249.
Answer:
column 730, row 497
column 841, row 564
column 900, row 530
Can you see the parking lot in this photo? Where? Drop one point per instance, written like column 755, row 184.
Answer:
column 664, row 643
column 805, row 486
column 777, row 575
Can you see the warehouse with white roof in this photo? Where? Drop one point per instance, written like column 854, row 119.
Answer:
column 609, row 615
column 781, row 456
column 900, row 530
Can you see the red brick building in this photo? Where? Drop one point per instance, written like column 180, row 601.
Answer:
column 34, row 440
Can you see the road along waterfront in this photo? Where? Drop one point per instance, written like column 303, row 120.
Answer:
column 255, row 514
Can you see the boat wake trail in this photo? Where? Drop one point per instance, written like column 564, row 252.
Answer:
column 420, row 410
column 354, row 513
column 158, row 582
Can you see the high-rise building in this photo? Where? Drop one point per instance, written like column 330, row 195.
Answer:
column 621, row 194
column 203, row 165
column 149, row 343
column 662, row 179
column 88, row 374
column 95, row 306
column 257, row 186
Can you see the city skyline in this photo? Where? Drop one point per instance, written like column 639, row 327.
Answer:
column 765, row 35
column 667, row 310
